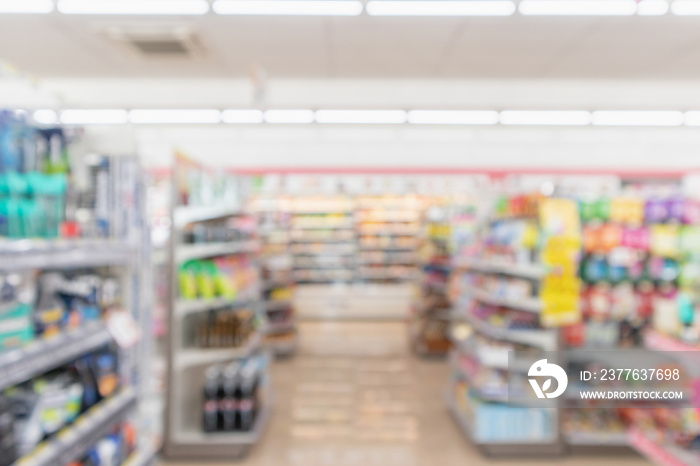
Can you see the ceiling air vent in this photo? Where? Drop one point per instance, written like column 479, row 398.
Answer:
column 158, row 41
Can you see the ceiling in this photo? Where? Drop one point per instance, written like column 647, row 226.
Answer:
column 634, row 47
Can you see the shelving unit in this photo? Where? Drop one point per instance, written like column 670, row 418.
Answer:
column 41, row 356
column 123, row 252
column 387, row 235
column 480, row 356
column 74, row 441
column 322, row 235
column 187, row 362
column 277, row 259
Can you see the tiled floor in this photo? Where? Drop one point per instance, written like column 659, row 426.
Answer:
column 354, row 396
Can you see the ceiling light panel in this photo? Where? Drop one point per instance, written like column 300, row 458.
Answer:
column 652, row 8
column 441, row 8
column 45, row 117
column 94, row 117
column 638, row 118
column 297, row 116
column 686, row 7
column 545, row 117
column 133, row 7
column 26, row 6
column 175, row 116
column 245, row 116
column 578, row 7
column 377, row 117
column 288, row 7
column 452, row 117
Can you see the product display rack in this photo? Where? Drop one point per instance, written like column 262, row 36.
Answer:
column 323, row 240
column 479, row 358
column 188, row 360
column 387, row 237
column 122, row 249
column 274, row 220
column 431, row 310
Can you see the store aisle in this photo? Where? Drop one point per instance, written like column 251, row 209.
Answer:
column 355, row 396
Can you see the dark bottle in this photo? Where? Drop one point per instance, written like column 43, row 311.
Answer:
column 248, row 404
column 229, row 402
column 212, row 382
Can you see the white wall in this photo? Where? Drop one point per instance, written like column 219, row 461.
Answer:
column 428, row 147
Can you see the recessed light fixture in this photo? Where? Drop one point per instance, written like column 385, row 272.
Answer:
column 376, row 117
column 94, row 117
column 685, row 7
column 242, row 116
column 441, row 8
column 26, row 6
column 45, row 117
column 652, row 8
column 296, row 116
column 288, row 7
column 637, row 118
column 545, row 117
column 453, row 117
column 578, row 7
column 175, row 116
column 133, row 7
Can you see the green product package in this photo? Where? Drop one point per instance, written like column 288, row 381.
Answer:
column 188, row 282
column 205, row 280
column 50, row 192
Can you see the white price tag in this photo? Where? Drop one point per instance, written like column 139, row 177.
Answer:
column 123, row 328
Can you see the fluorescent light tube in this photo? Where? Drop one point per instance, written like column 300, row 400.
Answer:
column 441, row 8
column 377, row 117
column 133, row 7
column 94, row 117
column 685, row 7
column 45, row 117
column 288, row 7
column 578, row 7
column 652, row 8
column 175, row 116
column 637, row 118
column 289, row 116
column 692, row 118
column 242, row 116
column 26, row 6
column 452, row 117
column 545, row 117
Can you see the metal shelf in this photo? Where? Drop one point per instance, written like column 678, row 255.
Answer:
column 597, row 438
column 186, row 215
column 199, row 356
column 29, row 254
column 184, row 307
column 545, row 339
column 534, row 271
column 200, row 251
column 198, row 444
column 43, row 355
column 74, row 441
column 533, row 305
